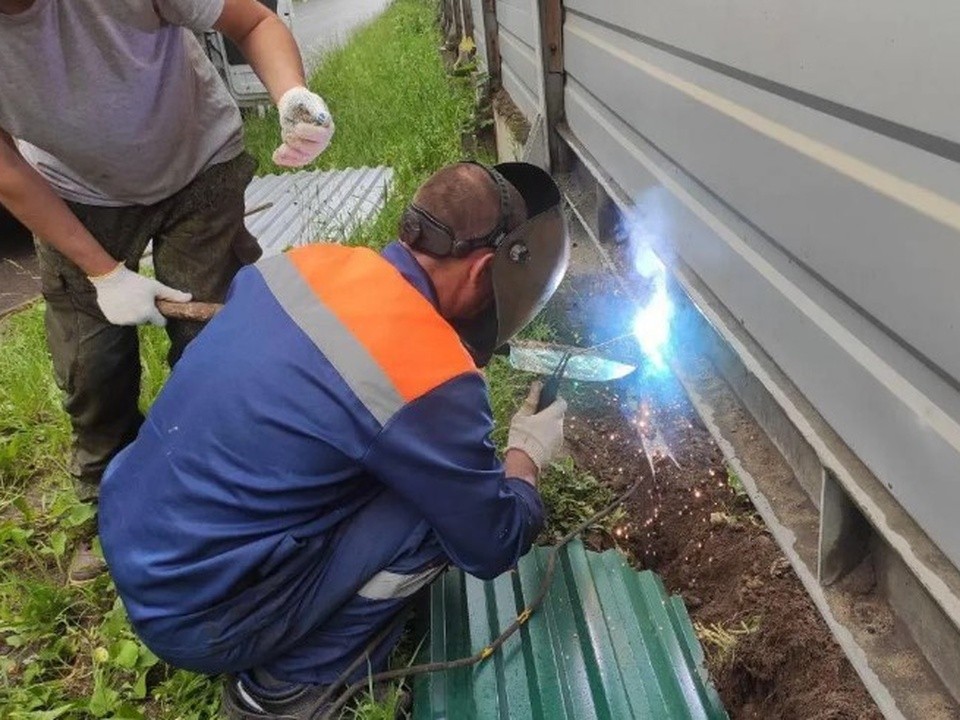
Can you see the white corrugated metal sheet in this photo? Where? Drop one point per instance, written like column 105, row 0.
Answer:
column 308, row 206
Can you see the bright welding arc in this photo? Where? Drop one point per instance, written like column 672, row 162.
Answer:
column 651, row 323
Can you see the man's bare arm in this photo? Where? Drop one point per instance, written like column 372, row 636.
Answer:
column 306, row 125
column 29, row 197
column 125, row 297
column 265, row 42
column 517, row 464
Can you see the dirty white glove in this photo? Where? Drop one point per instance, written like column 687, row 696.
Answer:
column 306, row 127
column 538, row 434
column 128, row 298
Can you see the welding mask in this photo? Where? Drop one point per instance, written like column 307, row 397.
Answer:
column 529, row 261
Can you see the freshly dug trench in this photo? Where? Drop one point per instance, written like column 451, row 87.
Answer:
column 769, row 651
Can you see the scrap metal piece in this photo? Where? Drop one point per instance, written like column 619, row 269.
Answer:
column 608, row 643
column 543, row 359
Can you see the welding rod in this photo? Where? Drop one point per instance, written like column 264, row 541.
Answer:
column 611, row 341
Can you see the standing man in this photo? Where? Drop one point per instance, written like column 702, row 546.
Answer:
column 324, row 448
column 114, row 130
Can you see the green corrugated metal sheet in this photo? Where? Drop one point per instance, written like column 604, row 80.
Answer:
column 608, row 643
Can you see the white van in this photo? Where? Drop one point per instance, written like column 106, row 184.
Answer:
column 244, row 85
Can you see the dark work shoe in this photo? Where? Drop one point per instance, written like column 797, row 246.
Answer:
column 300, row 702
column 237, row 704
column 85, row 565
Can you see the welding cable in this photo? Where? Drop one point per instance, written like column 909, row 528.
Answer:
column 402, row 673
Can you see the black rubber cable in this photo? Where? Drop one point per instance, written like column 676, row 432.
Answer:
column 333, row 711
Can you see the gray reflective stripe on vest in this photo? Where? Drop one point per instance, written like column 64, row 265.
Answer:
column 360, row 371
column 386, row 585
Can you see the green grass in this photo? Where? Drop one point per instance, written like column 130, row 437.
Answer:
column 571, row 496
column 736, row 484
column 68, row 652
column 393, row 105
column 34, row 433
column 65, row 652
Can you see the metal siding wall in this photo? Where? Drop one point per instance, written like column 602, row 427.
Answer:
column 519, row 43
column 826, row 236
column 893, row 59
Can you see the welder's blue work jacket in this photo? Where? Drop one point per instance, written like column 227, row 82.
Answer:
column 328, row 377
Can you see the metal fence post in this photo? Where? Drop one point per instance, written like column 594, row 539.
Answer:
column 551, row 48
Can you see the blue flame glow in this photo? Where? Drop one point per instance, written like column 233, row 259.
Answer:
column 651, row 323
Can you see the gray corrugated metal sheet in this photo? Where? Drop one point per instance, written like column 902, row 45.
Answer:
column 821, row 208
column 608, row 643
column 314, row 205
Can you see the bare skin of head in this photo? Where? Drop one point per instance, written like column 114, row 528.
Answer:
column 12, row 7
column 466, row 199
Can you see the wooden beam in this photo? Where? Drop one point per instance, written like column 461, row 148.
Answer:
column 491, row 32
column 551, row 47
column 552, row 13
column 466, row 12
column 448, row 17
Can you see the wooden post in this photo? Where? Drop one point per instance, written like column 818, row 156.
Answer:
column 491, row 33
column 466, row 11
column 551, row 47
column 451, row 26
column 458, row 18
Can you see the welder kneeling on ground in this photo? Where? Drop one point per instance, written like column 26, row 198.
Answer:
column 323, row 448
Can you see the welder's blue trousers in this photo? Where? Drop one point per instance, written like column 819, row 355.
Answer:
column 311, row 617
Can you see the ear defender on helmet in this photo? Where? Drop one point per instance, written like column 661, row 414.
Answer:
column 529, row 261
column 410, row 230
column 420, row 230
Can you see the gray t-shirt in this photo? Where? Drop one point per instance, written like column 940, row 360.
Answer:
column 113, row 103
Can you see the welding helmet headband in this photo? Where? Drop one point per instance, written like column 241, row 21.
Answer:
column 529, row 261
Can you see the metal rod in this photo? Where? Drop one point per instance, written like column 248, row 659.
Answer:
column 258, row 209
column 604, row 343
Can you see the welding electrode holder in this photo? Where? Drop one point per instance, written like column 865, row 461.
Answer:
column 551, row 386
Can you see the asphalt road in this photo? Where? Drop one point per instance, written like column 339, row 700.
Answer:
column 19, row 276
column 321, row 25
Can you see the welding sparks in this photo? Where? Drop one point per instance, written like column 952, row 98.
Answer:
column 651, row 324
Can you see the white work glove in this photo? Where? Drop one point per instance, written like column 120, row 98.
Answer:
column 128, row 298
column 538, row 434
column 306, row 127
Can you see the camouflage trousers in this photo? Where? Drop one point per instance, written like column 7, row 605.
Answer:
column 199, row 244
